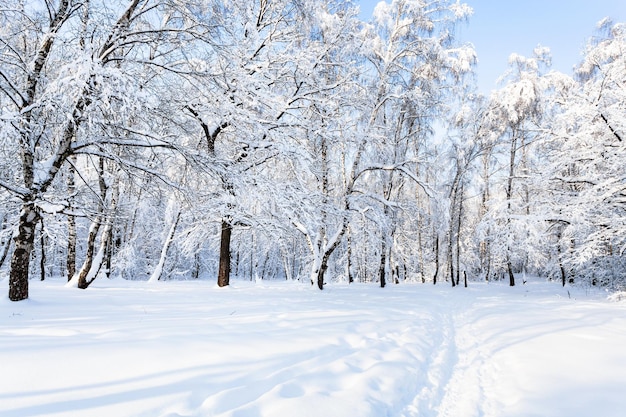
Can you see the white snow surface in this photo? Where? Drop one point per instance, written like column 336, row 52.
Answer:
column 176, row 349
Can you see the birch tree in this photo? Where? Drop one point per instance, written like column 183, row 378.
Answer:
column 65, row 98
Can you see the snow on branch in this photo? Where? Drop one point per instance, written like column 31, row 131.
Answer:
column 14, row 189
column 398, row 167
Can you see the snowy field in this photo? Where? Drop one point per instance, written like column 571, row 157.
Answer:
column 287, row 350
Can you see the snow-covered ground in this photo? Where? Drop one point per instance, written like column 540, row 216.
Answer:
column 285, row 349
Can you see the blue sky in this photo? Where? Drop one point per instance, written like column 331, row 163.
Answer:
column 501, row 27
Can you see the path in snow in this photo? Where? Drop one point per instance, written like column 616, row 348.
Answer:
column 534, row 351
column 282, row 349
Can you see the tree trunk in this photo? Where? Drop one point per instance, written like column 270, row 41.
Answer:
column 511, row 276
column 20, row 260
column 93, row 261
column 451, row 269
column 71, row 223
column 458, row 237
column 559, row 252
column 485, row 248
column 420, row 249
column 320, row 273
column 284, row 254
column 349, row 257
column 195, row 272
column 252, row 267
column 109, row 255
column 436, row 260
column 509, row 196
column 84, row 276
column 323, row 265
column 158, row 271
column 451, row 239
column 223, row 277
column 5, row 251
column 382, row 270
column 488, row 271
column 71, row 247
column 42, row 259
column 6, row 242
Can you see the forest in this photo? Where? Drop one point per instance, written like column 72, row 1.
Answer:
column 291, row 140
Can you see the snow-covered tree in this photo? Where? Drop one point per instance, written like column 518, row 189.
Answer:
column 79, row 79
column 413, row 66
column 516, row 112
column 585, row 177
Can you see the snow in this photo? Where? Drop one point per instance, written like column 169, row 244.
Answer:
column 124, row 348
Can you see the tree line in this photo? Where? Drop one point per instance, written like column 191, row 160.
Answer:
column 167, row 139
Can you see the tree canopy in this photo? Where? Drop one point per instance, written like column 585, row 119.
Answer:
column 292, row 140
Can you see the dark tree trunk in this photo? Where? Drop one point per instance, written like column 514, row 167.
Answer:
column 488, row 264
column 195, row 273
column 109, row 256
column 238, row 261
column 349, row 257
column 511, row 276
column 321, row 272
column 223, row 277
column 450, row 252
column 560, row 254
column 382, row 268
column 42, row 259
column 436, row 260
column 452, row 272
column 20, row 260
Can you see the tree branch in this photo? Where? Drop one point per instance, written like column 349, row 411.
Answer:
column 619, row 138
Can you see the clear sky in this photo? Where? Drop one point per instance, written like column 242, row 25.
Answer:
column 501, row 27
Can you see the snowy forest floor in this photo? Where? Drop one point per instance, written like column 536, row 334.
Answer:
column 285, row 349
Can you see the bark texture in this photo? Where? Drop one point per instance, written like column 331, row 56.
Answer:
column 223, row 277
column 24, row 245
